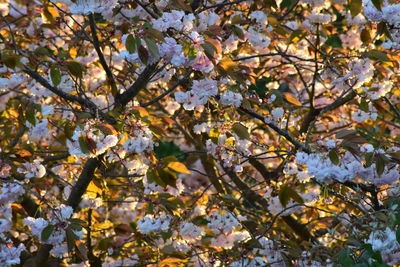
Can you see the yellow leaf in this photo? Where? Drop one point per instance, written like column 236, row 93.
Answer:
column 73, row 52
column 291, row 99
column 178, row 167
column 172, row 262
column 227, row 64
column 142, row 111
column 93, row 190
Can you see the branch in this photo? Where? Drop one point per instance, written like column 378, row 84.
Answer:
column 83, row 182
column 285, row 134
column 73, row 200
column 277, row 54
column 220, row 5
column 123, row 99
column 96, row 44
column 68, row 97
column 252, row 196
column 310, row 121
column 181, row 81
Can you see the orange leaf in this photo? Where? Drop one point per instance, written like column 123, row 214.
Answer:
column 291, row 99
column 178, row 167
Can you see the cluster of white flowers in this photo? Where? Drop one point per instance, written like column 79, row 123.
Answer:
column 38, row 131
column 228, row 240
column 293, row 169
column 189, row 231
column 378, row 90
column 224, row 150
column 391, row 15
column 257, row 261
column 277, row 113
column 4, row 169
column 198, row 96
column 361, row 116
column 276, row 207
column 269, row 250
column 324, row 171
column 96, row 140
column 258, row 40
column 127, row 211
column 10, row 255
column 385, row 242
column 32, row 170
column 207, row 19
column 12, row 82
column 85, row 7
column 58, row 217
column 361, row 71
column 171, row 51
column 150, row 223
column 140, row 143
column 125, row 262
column 321, row 18
column 9, row 192
column 225, row 223
column 231, row 98
column 176, row 19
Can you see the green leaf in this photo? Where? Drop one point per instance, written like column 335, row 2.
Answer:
column 46, row 232
column 83, row 145
column 380, row 165
column 334, row 157
column 398, row 234
column 130, row 44
column 364, row 105
column 345, row 258
column 47, row 14
column 286, row 193
column 270, row 3
column 154, row 177
column 155, row 34
column 55, row 75
column 10, row 60
column 377, row 55
column 334, row 41
column 286, row 4
column 30, row 116
column 260, row 86
column 368, row 159
column 77, row 221
column 209, row 49
column 75, row 68
column 166, row 149
column 152, row 47
column 168, row 177
column 378, row 4
column 238, row 32
column 241, row 131
column 355, row 7
column 71, row 238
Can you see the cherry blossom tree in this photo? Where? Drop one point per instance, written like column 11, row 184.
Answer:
column 199, row 133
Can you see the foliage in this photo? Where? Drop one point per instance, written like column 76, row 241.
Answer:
column 199, row 133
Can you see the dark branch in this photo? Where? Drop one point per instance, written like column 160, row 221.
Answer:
column 123, row 99
column 181, row 81
column 96, row 44
column 283, row 133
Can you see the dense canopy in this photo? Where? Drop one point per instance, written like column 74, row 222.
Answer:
column 199, row 133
